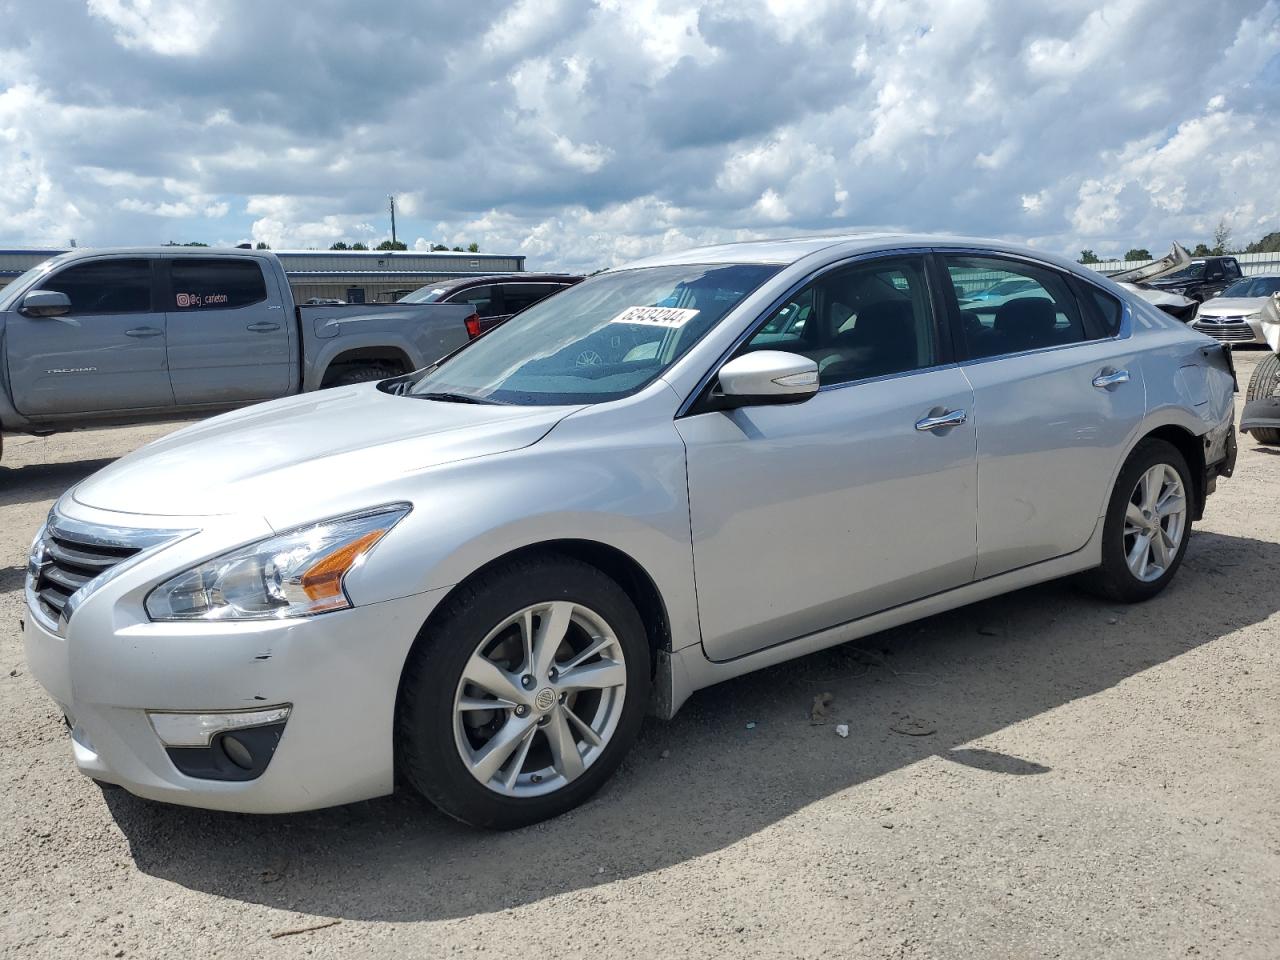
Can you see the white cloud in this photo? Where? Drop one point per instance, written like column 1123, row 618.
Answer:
column 174, row 28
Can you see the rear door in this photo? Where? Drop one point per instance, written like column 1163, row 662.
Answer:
column 107, row 353
column 229, row 337
column 1057, row 392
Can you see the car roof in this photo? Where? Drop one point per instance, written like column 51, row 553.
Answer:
column 785, row 252
column 458, row 283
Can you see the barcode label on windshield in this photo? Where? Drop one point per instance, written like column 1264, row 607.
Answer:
column 669, row 317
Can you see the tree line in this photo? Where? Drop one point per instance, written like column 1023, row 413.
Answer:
column 401, row 245
column 1221, row 246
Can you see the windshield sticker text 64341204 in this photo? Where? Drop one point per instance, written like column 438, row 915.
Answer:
column 670, row 317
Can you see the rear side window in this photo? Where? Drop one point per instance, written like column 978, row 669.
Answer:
column 486, row 300
column 517, row 296
column 1007, row 306
column 105, row 286
column 1105, row 308
column 215, row 284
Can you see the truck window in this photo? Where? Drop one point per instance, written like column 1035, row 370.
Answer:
column 215, row 284
column 1232, row 268
column 517, row 296
column 105, row 286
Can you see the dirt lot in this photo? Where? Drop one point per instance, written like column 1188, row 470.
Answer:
column 1100, row 781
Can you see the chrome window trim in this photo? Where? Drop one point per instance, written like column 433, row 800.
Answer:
column 145, row 540
column 778, row 301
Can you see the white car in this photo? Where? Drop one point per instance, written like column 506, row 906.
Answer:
column 1236, row 315
column 481, row 575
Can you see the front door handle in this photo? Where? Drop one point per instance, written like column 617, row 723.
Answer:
column 1110, row 378
column 263, row 326
column 952, row 418
column 143, row 332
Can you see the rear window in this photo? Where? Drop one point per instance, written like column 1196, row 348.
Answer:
column 215, row 284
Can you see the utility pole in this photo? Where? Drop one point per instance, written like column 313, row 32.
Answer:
column 393, row 220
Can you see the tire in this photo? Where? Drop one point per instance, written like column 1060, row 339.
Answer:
column 1116, row 579
column 439, row 741
column 1263, row 383
column 364, row 373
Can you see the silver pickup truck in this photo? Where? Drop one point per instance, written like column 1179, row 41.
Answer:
column 97, row 337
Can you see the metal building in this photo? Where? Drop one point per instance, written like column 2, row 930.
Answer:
column 357, row 276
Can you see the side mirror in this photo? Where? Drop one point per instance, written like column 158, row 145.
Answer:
column 766, row 377
column 45, row 303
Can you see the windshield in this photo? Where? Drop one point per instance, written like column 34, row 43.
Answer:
column 1193, row 271
column 428, row 294
column 603, row 339
column 1253, row 287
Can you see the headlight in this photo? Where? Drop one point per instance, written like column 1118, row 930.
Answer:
column 294, row 574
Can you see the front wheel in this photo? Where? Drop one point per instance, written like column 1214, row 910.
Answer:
column 523, row 695
column 1147, row 525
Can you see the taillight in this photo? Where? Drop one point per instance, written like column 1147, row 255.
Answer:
column 473, row 325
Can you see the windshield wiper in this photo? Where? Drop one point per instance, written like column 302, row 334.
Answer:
column 454, row 398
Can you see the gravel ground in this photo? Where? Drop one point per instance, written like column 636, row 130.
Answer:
column 1100, row 781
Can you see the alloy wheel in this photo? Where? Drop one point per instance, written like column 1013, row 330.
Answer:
column 539, row 699
column 1155, row 522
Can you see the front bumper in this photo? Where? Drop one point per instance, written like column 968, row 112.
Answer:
column 110, row 669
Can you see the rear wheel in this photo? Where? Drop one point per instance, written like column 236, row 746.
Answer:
column 1147, row 526
column 525, row 694
column 1265, row 382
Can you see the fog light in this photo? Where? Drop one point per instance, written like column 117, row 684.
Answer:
column 198, row 729
column 237, row 752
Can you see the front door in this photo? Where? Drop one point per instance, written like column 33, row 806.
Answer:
column 863, row 497
column 106, row 354
column 1059, row 390
column 229, row 336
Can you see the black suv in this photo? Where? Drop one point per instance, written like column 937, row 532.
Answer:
column 495, row 297
column 1202, row 278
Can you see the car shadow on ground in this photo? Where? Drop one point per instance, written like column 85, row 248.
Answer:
column 738, row 758
column 44, row 481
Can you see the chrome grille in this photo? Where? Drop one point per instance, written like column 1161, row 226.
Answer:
column 72, row 558
column 67, row 564
column 1228, row 332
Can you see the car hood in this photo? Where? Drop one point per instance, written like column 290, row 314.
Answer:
column 1158, row 297
column 1231, row 306
column 274, row 458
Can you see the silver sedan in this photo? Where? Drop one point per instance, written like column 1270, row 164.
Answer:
column 481, row 575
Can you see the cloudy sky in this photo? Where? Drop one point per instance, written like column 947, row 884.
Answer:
column 588, row 132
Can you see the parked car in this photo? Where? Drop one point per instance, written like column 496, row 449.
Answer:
column 1261, row 416
column 1202, row 278
column 1139, row 280
column 480, row 575
column 1235, row 315
column 95, row 337
column 495, row 298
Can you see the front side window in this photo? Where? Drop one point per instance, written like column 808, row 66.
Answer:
column 868, row 320
column 600, row 340
column 215, row 284
column 105, row 286
column 1232, row 268
column 1042, row 312
column 518, row 296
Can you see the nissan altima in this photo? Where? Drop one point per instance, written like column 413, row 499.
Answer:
column 480, row 576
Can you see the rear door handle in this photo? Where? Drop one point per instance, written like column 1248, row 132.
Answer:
column 1110, row 378
column 952, row 418
column 263, row 326
column 143, row 332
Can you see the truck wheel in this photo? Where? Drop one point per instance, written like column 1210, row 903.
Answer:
column 364, row 373
column 1147, row 525
column 524, row 694
column 1265, row 382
